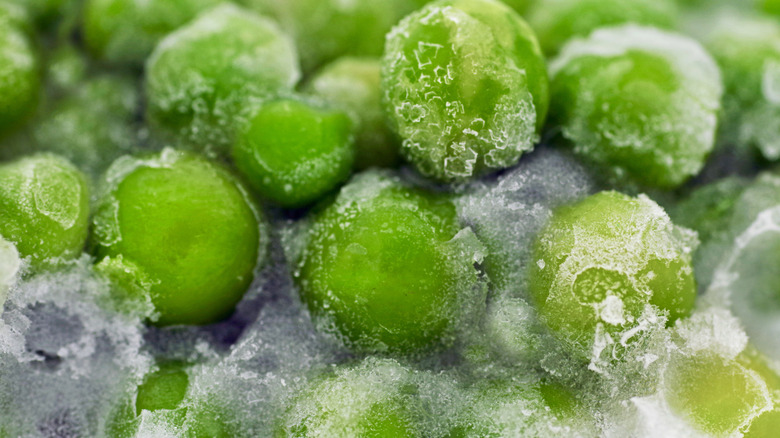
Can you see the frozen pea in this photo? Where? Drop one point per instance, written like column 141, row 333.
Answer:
column 44, row 208
column 65, row 70
column 126, row 31
column 601, row 262
column 93, row 126
column 370, row 399
column 20, row 80
column 770, row 6
column 294, row 152
column 386, row 267
column 185, row 226
column 328, row 29
column 558, row 21
column 201, row 77
column 163, row 389
column 354, row 85
column 716, row 395
column 748, row 52
column 637, row 103
column 465, row 87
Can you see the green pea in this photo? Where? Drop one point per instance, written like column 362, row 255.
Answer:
column 186, row 227
column 325, row 30
column 558, row 21
column 126, row 31
column 294, row 152
column 354, row 85
column 770, row 6
column 201, row 77
column 715, row 395
column 638, row 104
column 383, row 267
column 44, row 208
column 748, row 52
column 367, row 400
column 163, row 389
column 20, row 80
column 92, row 127
column 465, row 87
column 602, row 261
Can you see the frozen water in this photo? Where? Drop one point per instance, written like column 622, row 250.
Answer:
column 9, row 268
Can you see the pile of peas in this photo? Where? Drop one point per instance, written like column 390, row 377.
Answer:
column 165, row 139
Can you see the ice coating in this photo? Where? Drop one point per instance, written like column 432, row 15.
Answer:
column 599, row 278
column 201, row 77
column 657, row 126
column 9, row 267
column 464, row 87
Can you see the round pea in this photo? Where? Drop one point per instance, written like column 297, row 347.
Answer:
column 638, row 104
column 354, row 85
column 294, row 152
column 600, row 262
column 20, row 81
column 44, row 208
column 381, row 267
column 186, row 227
column 366, row 400
column 465, row 87
column 200, row 78
column 558, row 21
column 126, row 31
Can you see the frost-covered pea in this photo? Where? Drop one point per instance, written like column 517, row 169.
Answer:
column 186, row 228
column 126, row 31
column 44, row 208
column 558, row 21
column 354, row 85
column 370, row 399
column 294, row 152
column 162, row 403
column 20, row 80
column 748, row 52
column 201, row 77
column 465, row 87
column 328, row 29
column 638, row 103
column 715, row 395
column 601, row 264
column 93, row 126
column 386, row 268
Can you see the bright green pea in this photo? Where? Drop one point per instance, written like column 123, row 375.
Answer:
column 367, row 400
column 354, row 85
column 186, row 227
column 20, row 80
column 558, row 21
column 325, row 30
column 770, row 6
column 717, row 396
column 163, row 389
column 465, row 87
column 601, row 262
column 294, row 152
column 93, row 126
column 748, row 52
column 126, row 31
column 382, row 267
column 44, row 208
column 637, row 103
column 201, row 77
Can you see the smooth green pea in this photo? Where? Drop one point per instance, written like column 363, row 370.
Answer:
column 186, row 227
column 354, row 85
column 201, row 78
column 163, row 389
column 638, row 104
column 368, row 400
column 44, row 208
column 294, row 152
column 558, row 21
column 465, row 87
column 382, row 268
column 20, row 80
column 601, row 261
column 325, row 30
column 126, row 31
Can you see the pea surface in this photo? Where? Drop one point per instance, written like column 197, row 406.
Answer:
column 20, row 82
column 186, row 227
